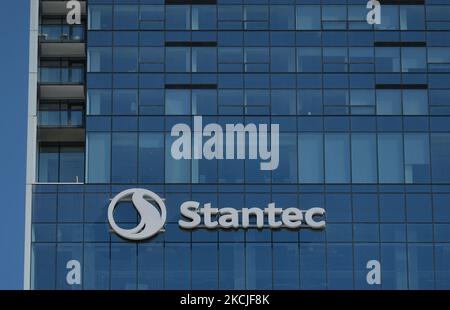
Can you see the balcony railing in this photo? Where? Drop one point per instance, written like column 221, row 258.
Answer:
column 61, row 33
column 61, row 75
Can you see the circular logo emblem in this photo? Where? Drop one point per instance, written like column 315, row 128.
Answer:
column 151, row 209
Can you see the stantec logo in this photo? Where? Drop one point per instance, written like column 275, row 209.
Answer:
column 152, row 212
column 151, row 209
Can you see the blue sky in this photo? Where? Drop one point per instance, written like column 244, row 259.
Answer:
column 14, row 24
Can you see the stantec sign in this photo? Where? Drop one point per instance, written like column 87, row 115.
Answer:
column 153, row 214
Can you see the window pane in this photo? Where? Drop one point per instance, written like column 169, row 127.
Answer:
column 125, row 17
column 123, row 266
column 340, row 266
column 415, row 102
column 287, row 169
column 282, row 17
column 390, row 158
column 312, row 266
column 310, row 158
column 204, row 59
column 364, row 158
column 99, row 59
column 177, row 171
column 151, row 157
column 413, row 59
column 204, row 266
column 440, row 157
column 204, row 102
column 48, row 164
column 124, row 158
column 389, row 102
column 282, row 60
column 417, row 158
column 231, row 266
column 177, row 266
column 337, row 158
column 283, row 102
column 259, row 266
column 204, row 17
column 178, row 59
column 420, row 266
column 71, row 164
column 100, row 17
column 387, row 59
column 308, row 17
column 178, row 102
column 178, row 17
column 286, row 266
column 125, row 59
column 43, row 266
column 390, row 18
column 99, row 101
column 150, row 266
column 412, row 17
column 309, row 102
column 98, row 157
column 125, row 102
column 96, row 266
column 394, row 266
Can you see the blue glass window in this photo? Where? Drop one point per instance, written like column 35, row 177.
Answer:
column 126, row 17
column 259, row 266
column 204, row 17
column 420, row 266
column 124, row 158
column 308, row 17
column 177, row 267
column 150, row 265
column 100, row 59
column 282, row 17
column 390, row 158
column 440, row 157
column 204, row 59
column 310, row 149
column 364, row 161
column 43, row 271
column 337, row 158
column 394, row 266
column 98, row 157
column 96, row 260
column 389, row 102
column 417, row 159
column 99, row 101
column 125, row 59
column 100, row 17
column 340, row 267
column 178, row 59
column 231, row 266
column 178, row 17
column 151, row 151
column 312, row 266
column 123, row 266
column 286, row 266
column 204, row 266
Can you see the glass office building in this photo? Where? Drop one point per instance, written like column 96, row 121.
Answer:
column 364, row 120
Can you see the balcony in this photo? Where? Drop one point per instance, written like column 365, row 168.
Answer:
column 62, row 83
column 62, row 41
column 58, row 8
column 60, row 116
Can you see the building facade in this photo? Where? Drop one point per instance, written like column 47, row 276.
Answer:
column 363, row 112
